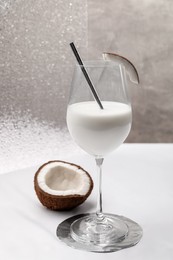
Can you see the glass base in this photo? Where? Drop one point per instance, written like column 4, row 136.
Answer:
column 104, row 234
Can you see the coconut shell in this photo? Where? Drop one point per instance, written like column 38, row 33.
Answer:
column 56, row 202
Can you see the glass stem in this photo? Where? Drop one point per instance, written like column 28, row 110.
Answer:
column 99, row 210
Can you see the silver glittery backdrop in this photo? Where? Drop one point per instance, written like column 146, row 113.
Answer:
column 35, row 74
column 4, row 6
column 34, row 80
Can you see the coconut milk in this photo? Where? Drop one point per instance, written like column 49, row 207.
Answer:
column 98, row 131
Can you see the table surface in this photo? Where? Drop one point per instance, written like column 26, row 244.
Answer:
column 137, row 183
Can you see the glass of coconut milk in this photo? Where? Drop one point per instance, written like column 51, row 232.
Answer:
column 99, row 132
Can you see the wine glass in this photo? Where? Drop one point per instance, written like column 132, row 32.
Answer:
column 99, row 132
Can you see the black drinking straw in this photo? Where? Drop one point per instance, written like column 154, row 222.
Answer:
column 86, row 75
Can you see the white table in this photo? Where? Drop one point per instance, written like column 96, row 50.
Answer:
column 137, row 183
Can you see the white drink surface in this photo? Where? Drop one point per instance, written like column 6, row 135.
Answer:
column 99, row 131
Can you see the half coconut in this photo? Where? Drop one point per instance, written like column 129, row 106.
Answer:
column 62, row 185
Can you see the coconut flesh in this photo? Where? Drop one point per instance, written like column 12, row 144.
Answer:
column 61, row 185
column 130, row 68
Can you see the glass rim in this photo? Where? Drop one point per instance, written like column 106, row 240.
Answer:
column 99, row 64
